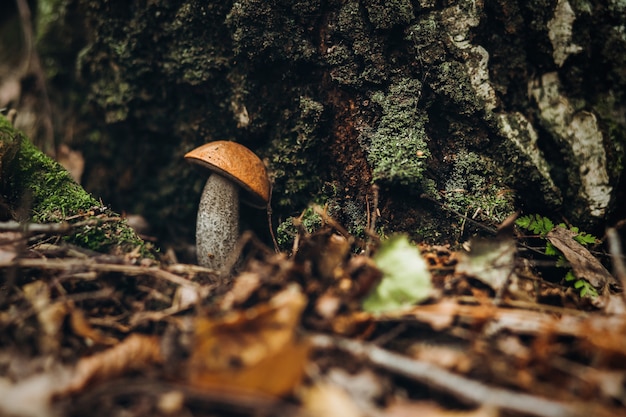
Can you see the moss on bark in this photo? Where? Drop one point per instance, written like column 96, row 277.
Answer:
column 38, row 189
column 417, row 96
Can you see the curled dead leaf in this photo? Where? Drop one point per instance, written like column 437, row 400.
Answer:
column 254, row 350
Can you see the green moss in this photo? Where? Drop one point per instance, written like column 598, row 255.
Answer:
column 473, row 189
column 425, row 35
column 286, row 231
column 344, row 69
column 38, row 189
column 451, row 81
column 386, row 14
column 53, row 192
column 293, row 157
column 355, row 32
column 269, row 30
column 397, row 149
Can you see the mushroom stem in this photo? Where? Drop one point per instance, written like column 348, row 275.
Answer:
column 217, row 227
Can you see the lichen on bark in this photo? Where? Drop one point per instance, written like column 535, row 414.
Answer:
column 415, row 96
column 398, row 147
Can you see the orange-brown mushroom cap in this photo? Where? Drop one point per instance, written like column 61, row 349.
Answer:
column 237, row 163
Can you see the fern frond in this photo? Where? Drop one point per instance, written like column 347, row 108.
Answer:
column 536, row 224
column 585, row 238
column 541, row 226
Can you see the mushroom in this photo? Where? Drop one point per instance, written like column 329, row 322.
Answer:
column 233, row 167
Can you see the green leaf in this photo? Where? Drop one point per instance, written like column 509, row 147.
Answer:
column 406, row 279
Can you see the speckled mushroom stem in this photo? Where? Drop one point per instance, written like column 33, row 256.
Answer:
column 217, row 227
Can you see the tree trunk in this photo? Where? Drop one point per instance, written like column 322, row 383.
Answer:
column 475, row 108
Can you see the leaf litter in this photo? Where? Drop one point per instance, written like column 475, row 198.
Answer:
column 481, row 332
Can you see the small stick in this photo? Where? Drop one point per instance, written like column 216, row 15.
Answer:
column 371, row 229
column 88, row 265
column 269, row 221
column 51, row 228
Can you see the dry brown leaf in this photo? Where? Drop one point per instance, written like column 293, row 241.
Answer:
column 584, row 264
column 135, row 352
column 365, row 387
column 253, row 350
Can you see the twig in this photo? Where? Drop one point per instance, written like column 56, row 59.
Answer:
column 464, row 388
column 371, row 222
column 50, row 228
column 89, row 265
column 269, row 222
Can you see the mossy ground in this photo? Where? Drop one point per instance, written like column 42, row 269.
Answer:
column 37, row 189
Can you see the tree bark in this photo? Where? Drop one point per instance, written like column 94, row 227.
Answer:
column 477, row 108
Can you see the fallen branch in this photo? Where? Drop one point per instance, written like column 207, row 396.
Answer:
column 89, row 265
column 50, row 228
column 464, row 388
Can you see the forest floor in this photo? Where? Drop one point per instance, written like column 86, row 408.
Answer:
column 491, row 330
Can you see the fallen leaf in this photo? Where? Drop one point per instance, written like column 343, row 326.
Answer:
column 406, row 279
column 584, row 264
column 133, row 353
column 490, row 261
column 252, row 350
